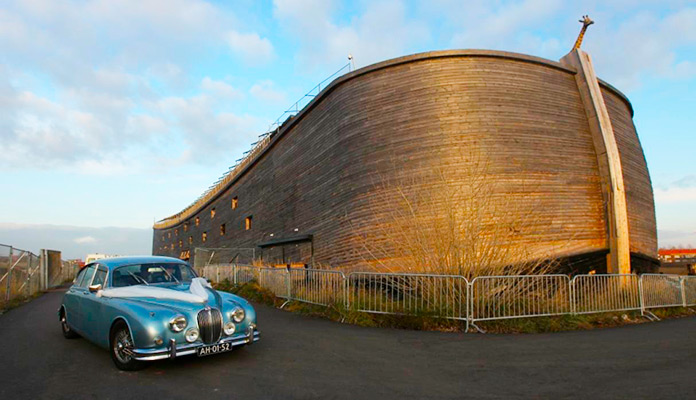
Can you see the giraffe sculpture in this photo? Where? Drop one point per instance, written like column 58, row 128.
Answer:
column 586, row 21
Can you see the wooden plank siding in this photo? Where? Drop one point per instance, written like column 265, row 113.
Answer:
column 639, row 193
column 328, row 171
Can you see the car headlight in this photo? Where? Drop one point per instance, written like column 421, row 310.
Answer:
column 229, row 328
column 177, row 324
column 237, row 314
column 192, row 335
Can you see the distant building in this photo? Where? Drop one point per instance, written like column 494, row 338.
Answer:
column 677, row 261
column 97, row 256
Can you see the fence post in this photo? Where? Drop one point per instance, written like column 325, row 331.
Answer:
column 9, row 277
column 346, row 285
column 29, row 274
column 641, row 295
column 683, row 290
column 573, row 306
column 470, row 302
column 44, row 268
column 466, row 304
column 288, row 283
column 234, row 274
column 42, row 276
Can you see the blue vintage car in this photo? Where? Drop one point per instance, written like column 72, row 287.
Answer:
column 153, row 308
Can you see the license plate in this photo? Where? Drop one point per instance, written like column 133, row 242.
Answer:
column 213, row 349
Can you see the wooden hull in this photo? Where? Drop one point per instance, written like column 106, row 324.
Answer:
column 336, row 170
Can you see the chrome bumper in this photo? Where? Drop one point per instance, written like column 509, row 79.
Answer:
column 174, row 351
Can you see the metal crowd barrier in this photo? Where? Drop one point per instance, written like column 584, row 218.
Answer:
column 442, row 296
column 689, row 290
column 519, row 296
column 316, row 286
column 604, row 293
column 276, row 280
column 485, row 298
column 245, row 273
column 658, row 290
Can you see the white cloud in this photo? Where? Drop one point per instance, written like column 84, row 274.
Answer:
column 253, row 48
column 220, row 89
column 381, row 31
column 265, row 91
column 676, row 195
column 644, row 45
column 104, row 103
column 629, row 42
column 680, row 239
column 85, row 239
column 498, row 25
column 682, row 190
column 207, row 134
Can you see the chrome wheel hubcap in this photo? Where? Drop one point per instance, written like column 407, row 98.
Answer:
column 122, row 345
column 64, row 324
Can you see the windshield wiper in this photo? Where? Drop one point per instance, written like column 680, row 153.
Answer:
column 138, row 278
column 171, row 276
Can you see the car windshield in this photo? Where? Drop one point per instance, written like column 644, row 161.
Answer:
column 151, row 274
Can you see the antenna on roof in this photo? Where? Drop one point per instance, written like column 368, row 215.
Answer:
column 351, row 62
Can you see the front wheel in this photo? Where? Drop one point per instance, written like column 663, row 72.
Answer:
column 121, row 346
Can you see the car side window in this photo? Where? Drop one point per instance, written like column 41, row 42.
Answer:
column 79, row 277
column 87, row 276
column 100, row 276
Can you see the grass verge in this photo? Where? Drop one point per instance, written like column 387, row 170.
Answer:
column 18, row 301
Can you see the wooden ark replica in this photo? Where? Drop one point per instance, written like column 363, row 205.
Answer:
column 555, row 146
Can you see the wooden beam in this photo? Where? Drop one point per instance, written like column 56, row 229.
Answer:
column 608, row 158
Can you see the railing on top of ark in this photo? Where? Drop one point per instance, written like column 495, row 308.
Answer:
column 483, row 298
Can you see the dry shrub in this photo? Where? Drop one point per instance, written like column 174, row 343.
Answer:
column 459, row 219
column 455, row 219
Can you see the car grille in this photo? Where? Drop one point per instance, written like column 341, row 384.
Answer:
column 210, row 325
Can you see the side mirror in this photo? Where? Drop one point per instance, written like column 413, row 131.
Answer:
column 95, row 288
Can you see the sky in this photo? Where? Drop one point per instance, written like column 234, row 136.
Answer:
column 119, row 113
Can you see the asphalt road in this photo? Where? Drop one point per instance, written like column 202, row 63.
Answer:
column 305, row 358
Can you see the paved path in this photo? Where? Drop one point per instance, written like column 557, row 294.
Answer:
column 305, row 358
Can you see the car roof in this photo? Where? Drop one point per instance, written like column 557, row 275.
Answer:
column 119, row 261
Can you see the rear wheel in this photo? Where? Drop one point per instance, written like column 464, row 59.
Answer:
column 121, row 347
column 67, row 332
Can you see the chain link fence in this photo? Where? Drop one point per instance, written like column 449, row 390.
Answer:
column 23, row 273
column 203, row 257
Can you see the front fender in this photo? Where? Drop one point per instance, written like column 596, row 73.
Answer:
column 145, row 322
column 230, row 300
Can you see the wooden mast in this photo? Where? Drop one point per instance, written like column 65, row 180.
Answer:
column 608, row 156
